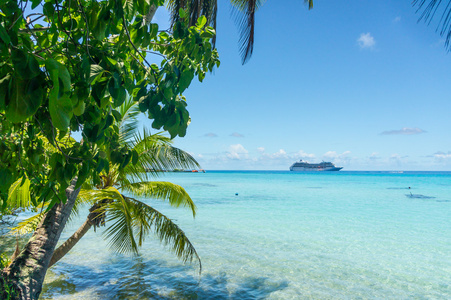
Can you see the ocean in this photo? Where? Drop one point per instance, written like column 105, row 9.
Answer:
column 281, row 235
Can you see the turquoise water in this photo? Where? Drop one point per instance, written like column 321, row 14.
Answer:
column 340, row 235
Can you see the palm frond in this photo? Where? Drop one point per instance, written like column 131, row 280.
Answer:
column 430, row 9
column 157, row 154
column 129, row 122
column 121, row 232
column 245, row 17
column 133, row 220
column 213, row 22
column 194, row 9
column 19, row 194
column 173, row 193
column 28, row 225
column 87, row 196
column 92, row 196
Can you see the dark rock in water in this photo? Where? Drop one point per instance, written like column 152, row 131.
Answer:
column 419, row 196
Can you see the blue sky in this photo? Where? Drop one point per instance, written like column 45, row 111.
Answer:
column 361, row 84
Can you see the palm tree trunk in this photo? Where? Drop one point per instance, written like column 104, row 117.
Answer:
column 71, row 242
column 149, row 16
column 95, row 218
column 26, row 273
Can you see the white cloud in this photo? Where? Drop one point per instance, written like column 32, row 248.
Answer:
column 366, row 41
column 442, row 156
column 280, row 153
column 237, row 152
column 404, row 131
column 261, row 149
column 304, row 156
column 397, row 19
column 333, row 156
column 236, row 134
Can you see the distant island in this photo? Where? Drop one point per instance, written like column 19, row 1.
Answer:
column 177, row 170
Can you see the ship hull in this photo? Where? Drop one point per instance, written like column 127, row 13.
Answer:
column 303, row 169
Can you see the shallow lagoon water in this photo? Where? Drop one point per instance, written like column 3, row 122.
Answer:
column 340, row 235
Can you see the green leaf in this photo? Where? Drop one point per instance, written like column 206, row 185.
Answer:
column 99, row 31
column 25, row 65
column 153, row 31
column 60, row 105
column 4, row 35
column 135, row 157
column 98, row 93
column 6, row 179
column 101, row 164
column 185, row 79
column 79, row 109
column 4, row 83
column 201, row 22
column 118, row 93
column 168, row 93
column 129, row 9
column 112, row 61
column 182, row 13
column 117, row 115
column 25, row 97
column 60, row 174
column 69, row 172
column 96, row 73
column 210, row 30
column 35, row 3
column 48, row 10
column 82, row 174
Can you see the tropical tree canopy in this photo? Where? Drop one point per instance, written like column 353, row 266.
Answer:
column 115, row 200
column 66, row 66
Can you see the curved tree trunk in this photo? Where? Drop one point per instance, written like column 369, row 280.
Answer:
column 95, row 218
column 71, row 242
column 28, row 269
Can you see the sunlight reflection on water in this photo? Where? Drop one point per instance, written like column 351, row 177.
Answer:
column 282, row 238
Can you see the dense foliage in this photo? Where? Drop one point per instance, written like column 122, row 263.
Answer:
column 128, row 220
column 65, row 67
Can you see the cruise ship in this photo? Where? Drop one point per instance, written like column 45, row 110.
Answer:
column 322, row 166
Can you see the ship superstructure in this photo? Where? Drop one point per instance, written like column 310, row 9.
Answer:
column 306, row 166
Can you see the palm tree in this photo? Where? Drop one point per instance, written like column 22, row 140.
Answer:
column 244, row 11
column 113, row 199
column 429, row 10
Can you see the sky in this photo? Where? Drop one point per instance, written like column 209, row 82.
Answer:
column 362, row 84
